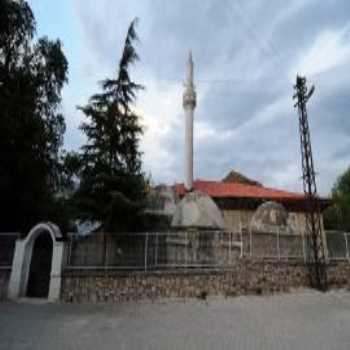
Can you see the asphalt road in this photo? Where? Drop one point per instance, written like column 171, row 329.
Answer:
column 301, row 320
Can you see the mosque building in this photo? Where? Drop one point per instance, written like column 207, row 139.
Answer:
column 235, row 203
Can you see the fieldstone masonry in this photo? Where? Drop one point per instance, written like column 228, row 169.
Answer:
column 247, row 277
column 338, row 275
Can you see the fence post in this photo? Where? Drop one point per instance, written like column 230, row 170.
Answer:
column 186, row 250
column 106, row 248
column 230, row 249
column 156, row 250
column 250, row 242
column 146, row 251
column 70, row 249
column 241, row 235
column 304, row 246
column 69, row 255
column 346, row 245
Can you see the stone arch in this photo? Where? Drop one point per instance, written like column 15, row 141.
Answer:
column 49, row 227
column 23, row 257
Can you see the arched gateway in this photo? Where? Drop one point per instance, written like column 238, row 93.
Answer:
column 37, row 264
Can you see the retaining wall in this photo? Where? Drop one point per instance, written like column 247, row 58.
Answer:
column 338, row 274
column 247, row 277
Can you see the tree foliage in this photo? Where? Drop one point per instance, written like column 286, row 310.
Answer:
column 32, row 75
column 112, row 184
column 338, row 216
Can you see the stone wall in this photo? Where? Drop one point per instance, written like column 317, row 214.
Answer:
column 247, row 277
column 338, row 274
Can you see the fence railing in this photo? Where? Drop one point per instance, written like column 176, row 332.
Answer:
column 186, row 250
column 287, row 246
column 7, row 248
column 338, row 244
column 280, row 246
column 154, row 251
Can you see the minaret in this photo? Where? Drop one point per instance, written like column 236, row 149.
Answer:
column 189, row 104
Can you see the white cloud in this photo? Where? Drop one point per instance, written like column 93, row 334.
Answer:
column 267, row 115
column 329, row 50
column 159, row 106
column 287, row 177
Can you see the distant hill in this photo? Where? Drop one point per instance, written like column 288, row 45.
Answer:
column 235, row 176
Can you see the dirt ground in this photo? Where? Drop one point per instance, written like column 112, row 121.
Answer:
column 300, row 320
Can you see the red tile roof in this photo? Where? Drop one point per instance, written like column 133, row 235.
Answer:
column 219, row 189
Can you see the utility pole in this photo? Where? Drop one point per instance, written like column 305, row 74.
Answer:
column 314, row 236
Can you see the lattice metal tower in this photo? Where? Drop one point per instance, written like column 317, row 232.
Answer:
column 315, row 240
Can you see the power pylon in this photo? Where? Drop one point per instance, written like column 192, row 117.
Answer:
column 315, row 241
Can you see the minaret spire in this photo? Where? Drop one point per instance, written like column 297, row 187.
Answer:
column 190, row 70
column 189, row 104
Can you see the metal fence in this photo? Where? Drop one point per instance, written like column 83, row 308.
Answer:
column 287, row 246
column 186, row 250
column 338, row 244
column 154, row 251
column 7, row 249
column 182, row 250
column 280, row 246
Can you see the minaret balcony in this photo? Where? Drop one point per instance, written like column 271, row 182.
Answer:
column 189, row 99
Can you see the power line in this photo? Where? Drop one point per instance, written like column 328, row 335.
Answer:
column 163, row 80
column 255, row 38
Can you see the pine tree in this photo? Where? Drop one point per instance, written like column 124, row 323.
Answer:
column 112, row 185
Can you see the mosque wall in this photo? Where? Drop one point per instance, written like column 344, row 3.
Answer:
column 237, row 219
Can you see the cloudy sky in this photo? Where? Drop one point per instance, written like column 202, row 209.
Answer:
column 246, row 55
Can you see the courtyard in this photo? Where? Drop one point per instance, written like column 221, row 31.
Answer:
column 304, row 319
